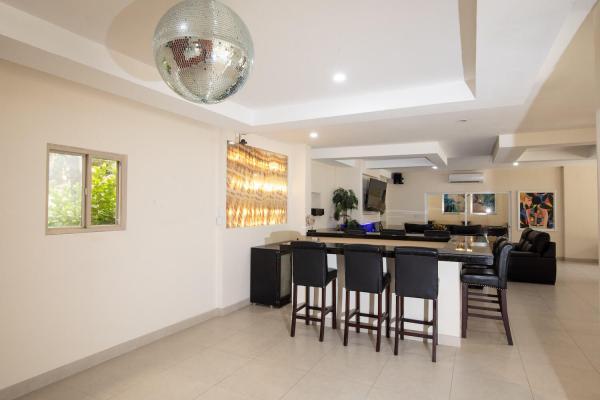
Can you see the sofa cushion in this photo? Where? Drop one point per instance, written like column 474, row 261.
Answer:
column 539, row 241
column 416, row 228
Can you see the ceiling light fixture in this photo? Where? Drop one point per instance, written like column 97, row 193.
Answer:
column 203, row 50
column 339, row 77
column 516, row 164
column 434, row 167
column 313, row 135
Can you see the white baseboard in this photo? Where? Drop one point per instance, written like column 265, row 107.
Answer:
column 37, row 382
column 579, row 260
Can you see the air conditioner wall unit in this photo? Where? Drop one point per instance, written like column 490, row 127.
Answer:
column 466, row 178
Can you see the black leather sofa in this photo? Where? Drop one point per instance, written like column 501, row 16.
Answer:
column 417, row 228
column 533, row 259
column 467, row 230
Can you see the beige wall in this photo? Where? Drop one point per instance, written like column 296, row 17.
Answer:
column 580, row 204
column 65, row 297
column 406, row 202
column 596, row 12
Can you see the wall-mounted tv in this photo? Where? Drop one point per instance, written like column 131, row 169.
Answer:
column 375, row 197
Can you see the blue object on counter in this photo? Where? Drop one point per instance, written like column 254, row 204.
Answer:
column 370, row 227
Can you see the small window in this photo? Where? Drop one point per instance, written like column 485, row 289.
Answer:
column 86, row 190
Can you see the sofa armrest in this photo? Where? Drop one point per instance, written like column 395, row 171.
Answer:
column 522, row 254
column 550, row 251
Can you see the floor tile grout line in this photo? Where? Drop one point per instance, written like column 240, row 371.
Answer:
column 525, row 371
column 453, row 371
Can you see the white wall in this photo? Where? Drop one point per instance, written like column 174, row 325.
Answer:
column 65, row 297
column 325, row 178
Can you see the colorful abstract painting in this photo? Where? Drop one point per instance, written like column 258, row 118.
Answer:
column 537, row 210
column 454, row 203
column 483, row 203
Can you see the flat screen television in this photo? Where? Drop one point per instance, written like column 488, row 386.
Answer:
column 375, row 199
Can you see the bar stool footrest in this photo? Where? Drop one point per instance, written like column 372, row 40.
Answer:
column 495, row 296
column 416, row 321
column 303, row 317
column 408, row 332
column 476, row 315
column 484, row 300
column 485, row 308
column 362, row 326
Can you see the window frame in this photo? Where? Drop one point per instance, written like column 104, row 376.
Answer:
column 86, row 204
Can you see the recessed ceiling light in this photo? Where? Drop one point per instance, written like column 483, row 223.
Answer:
column 313, row 135
column 434, row 167
column 462, row 120
column 516, row 164
column 339, row 77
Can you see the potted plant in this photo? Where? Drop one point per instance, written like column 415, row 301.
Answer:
column 344, row 201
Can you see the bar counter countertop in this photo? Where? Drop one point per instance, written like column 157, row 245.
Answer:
column 463, row 249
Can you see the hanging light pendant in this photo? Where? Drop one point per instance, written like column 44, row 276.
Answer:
column 203, row 50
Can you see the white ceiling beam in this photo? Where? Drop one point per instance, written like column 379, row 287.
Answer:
column 467, row 11
column 431, row 151
column 398, row 163
column 409, row 98
column 560, row 154
column 511, row 147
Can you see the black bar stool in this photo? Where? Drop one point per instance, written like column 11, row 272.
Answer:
column 416, row 276
column 487, row 269
column 309, row 269
column 364, row 273
column 494, row 277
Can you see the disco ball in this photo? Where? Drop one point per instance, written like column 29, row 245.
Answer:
column 203, row 50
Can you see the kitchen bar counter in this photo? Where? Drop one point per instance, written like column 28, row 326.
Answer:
column 418, row 237
column 452, row 255
column 463, row 249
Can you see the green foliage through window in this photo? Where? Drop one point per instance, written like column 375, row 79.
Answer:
column 104, row 192
column 84, row 190
column 65, row 189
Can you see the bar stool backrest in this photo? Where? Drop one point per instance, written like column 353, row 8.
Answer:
column 363, row 268
column 309, row 263
column 416, row 272
column 501, row 266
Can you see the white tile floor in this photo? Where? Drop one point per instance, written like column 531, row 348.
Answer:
column 249, row 355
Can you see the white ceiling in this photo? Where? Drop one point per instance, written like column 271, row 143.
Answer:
column 403, row 58
column 299, row 45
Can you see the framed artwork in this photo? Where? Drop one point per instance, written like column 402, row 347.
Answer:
column 483, row 203
column 537, row 210
column 453, row 203
column 256, row 187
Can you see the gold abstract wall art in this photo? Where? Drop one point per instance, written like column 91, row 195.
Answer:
column 256, row 187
